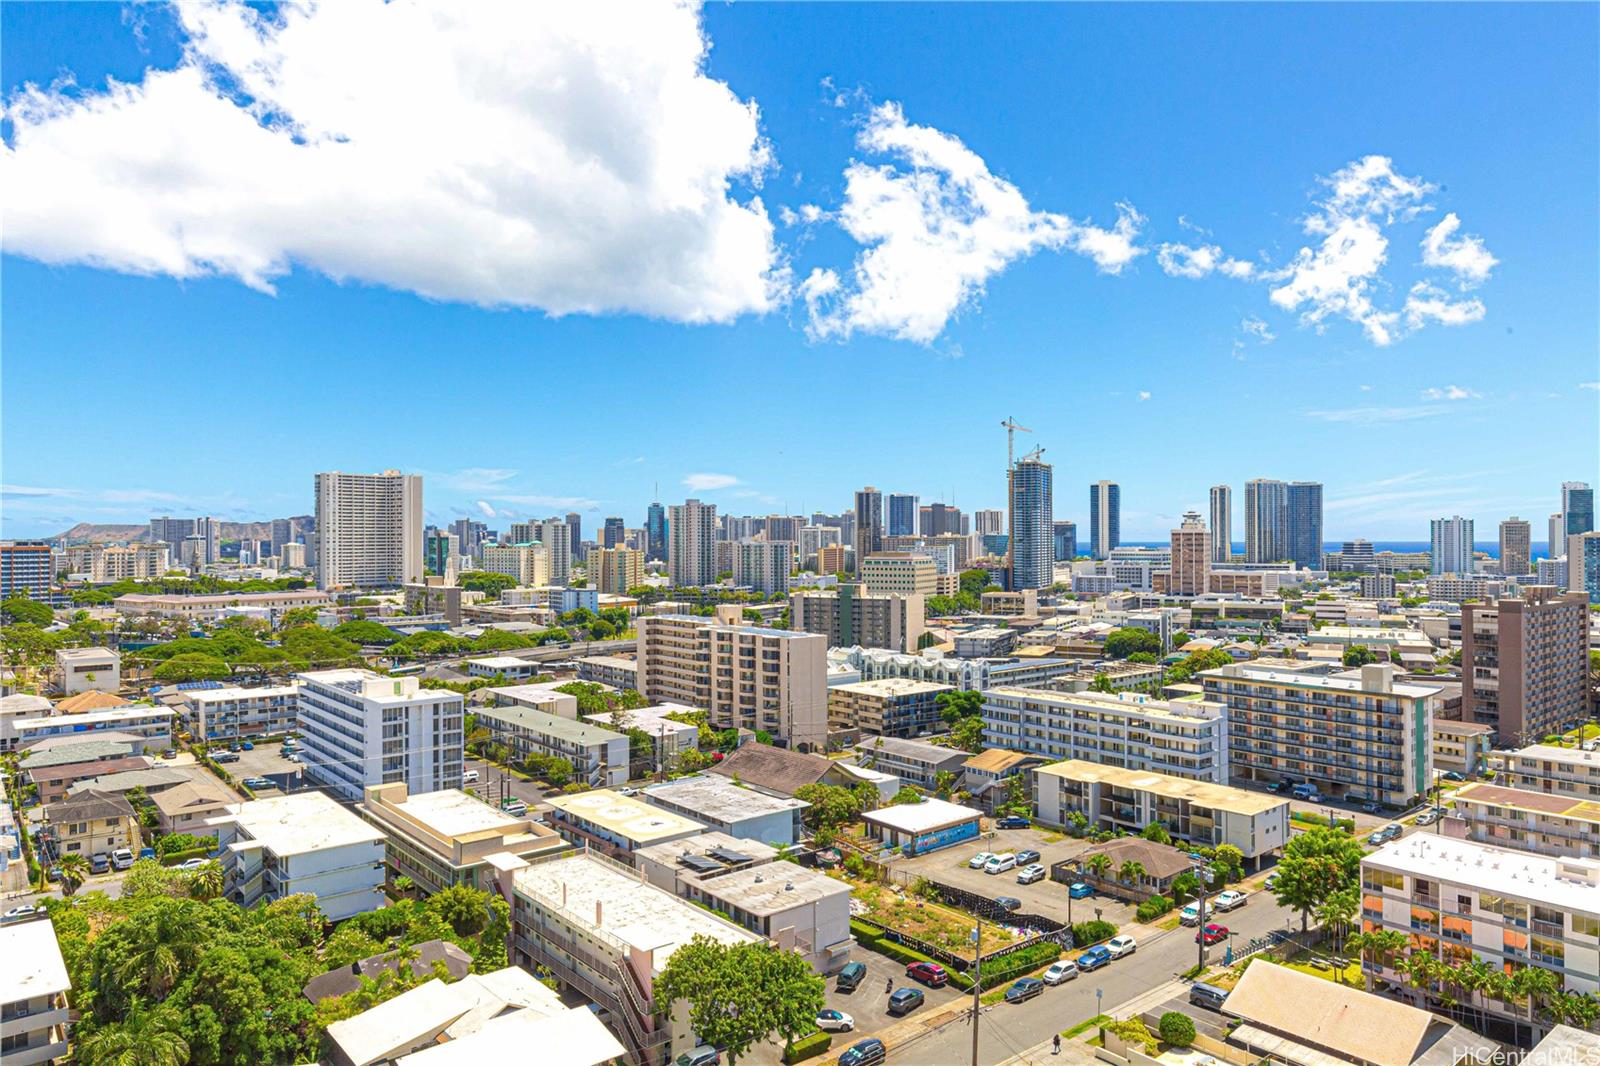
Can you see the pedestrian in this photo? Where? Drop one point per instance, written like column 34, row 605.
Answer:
column 889, row 987
column 1056, row 1044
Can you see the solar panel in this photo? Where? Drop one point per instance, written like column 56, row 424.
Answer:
column 728, row 855
column 700, row 864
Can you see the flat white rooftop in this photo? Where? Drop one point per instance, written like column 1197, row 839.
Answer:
column 571, row 1038
column 1341, row 682
column 451, row 812
column 502, row 662
column 890, row 687
column 922, row 817
column 721, row 800
column 234, row 692
column 33, row 964
column 301, row 823
column 1520, row 874
column 773, row 887
column 117, row 714
column 625, row 816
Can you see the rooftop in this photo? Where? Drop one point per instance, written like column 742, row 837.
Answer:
column 1556, row 753
column 452, row 812
column 890, row 687
column 604, row 896
column 669, row 853
column 199, row 792
column 92, row 700
column 1356, row 1026
column 1342, row 682
column 79, row 751
column 348, row 978
column 78, row 770
column 1570, row 884
column 650, row 719
column 573, row 1037
column 615, row 662
column 1528, row 800
column 997, row 760
column 397, row 1026
column 719, row 799
column 774, row 769
column 625, row 816
column 502, row 662
column 1201, row 793
column 581, row 731
column 771, row 888
column 33, row 961
column 904, row 748
column 234, row 692
column 88, row 718
column 300, row 823
column 97, row 655
column 921, row 817
column 1130, row 702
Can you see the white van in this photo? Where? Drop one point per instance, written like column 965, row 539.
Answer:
column 469, row 777
column 999, row 864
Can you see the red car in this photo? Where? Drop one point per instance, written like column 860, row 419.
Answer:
column 929, row 973
column 1212, row 933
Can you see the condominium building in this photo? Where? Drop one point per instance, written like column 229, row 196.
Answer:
column 528, row 563
column 832, row 559
column 899, row 573
column 1524, row 820
column 1030, row 551
column 358, row 729
column 616, row 825
column 25, row 569
column 1458, row 588
column 1357, row 734
column 766, row 680
column 555, row 534
column 903, row 513
column 1525, row 663
column 1200, row 812
column 224, row 715
column 616, row 570
column 212, row 607
column 88, row 670
column 369, row 529
column 763, row 566
column 304, row 842
column 1463, row 747
column 1554, row 770
column 1186, row 738
column 664, row 722
column 1377, row 586
column 655, row 532
column 1105, row 518
column 108, row 563
column 599, row 756
column 1065, row 546
column 813, row 539
column 1191, row 557
column 721, row 805
column 1516, row 547
column 34, row 1017
column 797, row 908
column 850, row 615
column 1221, row 524
column 151, row 725
column 1583, row 565
column 890, row 707
column 612, row 670
column 1303, row 501
column 1461, row 900
column 988, row 523
column 1451, row 551
column 915, row 762
column 1266, row 521
column 1577, row 508
column 692, row 543
column 972, row 674
column 445, row 838
column 869, row 523
column 89, row 822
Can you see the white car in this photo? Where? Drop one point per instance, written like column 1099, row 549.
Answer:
column 17, row 913
column 835, row 1021
column 999, row 864
column 1121, row 945
column 1227, row 901
column 1065, row 970
column 980, row 860
column 121, row 859
column 192, row 864
column 469, row 777
column 1031, row 873
column 1194, row 913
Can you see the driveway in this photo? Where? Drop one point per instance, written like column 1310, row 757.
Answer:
column 494, row 783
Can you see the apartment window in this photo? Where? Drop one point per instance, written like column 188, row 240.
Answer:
column 1377, row 880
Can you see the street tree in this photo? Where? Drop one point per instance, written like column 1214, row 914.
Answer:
column 1315, row 865
column 740, row 994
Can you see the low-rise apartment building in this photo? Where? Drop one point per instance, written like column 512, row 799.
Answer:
column 914, row 762
column 88, row 670
column 616, row 825
column 225, row 715
column 52, row 782
column 444, row 838
column 34, row 1017
column 611, row 670
column 152, row 725
column 719, row 804
column 1358, row 734
column 599, row 756
column 1556, row 770
column 304, row 842
column 90, row 823
column 680, row 865
column 850, row 614
column 1200, row 812
column 1188, row 738
column 1524, row 820
column 1461, row 747
column 541, row 696
column 510, row 667
column 974, row 675
column 764, row 680
column 209, row 608
column 1460, row 900
column 358, row 728
column 672, row 737
column 890, row 707
column 985, row 642
column 189, row 807
column 106, row 564
column 797, row 908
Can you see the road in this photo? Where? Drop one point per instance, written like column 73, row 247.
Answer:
column 494, row 783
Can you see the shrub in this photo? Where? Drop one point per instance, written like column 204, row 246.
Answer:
column 1132, row 1031
column 1153, row 908
column 1176, row 1029
column 1086, row 933
column 807, row 1046
column 1023, row 961
column 175, row 842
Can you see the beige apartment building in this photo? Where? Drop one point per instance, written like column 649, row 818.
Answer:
column 890, row 707
column 1554, row 770
column 1525, row 820
column 1515, row 547
column 849, row 615
column 831, row 558
column 107, row 563
column 528, row 563
column 1525, row 663
column 445, row 838
column 615, row 570
column 1191, row 558
column 898, row 573
column 771, row 680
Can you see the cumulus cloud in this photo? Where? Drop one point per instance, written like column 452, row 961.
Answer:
column 1143, row 395
column 485, row 509
column 1450, row 392
column 1464, row 256
column 1257, row 329
column 550, row 156
column 1589, row 385
column 1198, row 261
column 936, row 224
column 707, row 482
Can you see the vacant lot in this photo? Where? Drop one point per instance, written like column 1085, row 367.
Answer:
column 897, row 907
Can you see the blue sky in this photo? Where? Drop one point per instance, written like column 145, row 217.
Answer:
column 840, row 252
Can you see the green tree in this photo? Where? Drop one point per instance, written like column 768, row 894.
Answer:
column 1315, row 865
column 1102, row 683
column 1121, row 643
column 25, row 644
column 487, row 582
column 740, row 994
column 74, row 872
column 366, row 633
column 146, row 1037
column 22, row 609
column 907, row 794
column 1098, row 864
column 463, row 907
column 831, row 806
column 206, row 882
column 1176, row 1029
column 1180, row 638
column 1359, row 655
column 968, row 735
column 958, row 704
column 1157, row 832
column 1130, row 872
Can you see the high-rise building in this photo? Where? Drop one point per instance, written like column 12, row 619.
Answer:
column 616, row 532
column 849, row 615
column 1032, row 543
column 1577, row 507
column 813, row 539
column 282, row 533
column 1105, row 518
column 1222, row 524
column 106, row 563
column 556, row 536
column 903, row 514
column 692, row 543
column 938, row 519
column 1066, row 541
column 1557, row 533
column 655, row 531
column 988, row 523
column 869, row 523
column 25, row 569
column 1266, row 521
column 763, row 565
column 528, row 563
column 1525, row 663
column 358, row 728
column 1515, row 547
column 470, row 534
column 1357, row 555
column 1191, row 557
column 1583, row 565
column 210, row 530
column 436, row 553
column 784, row 527
column 902, row 572
column 616, row 570
column 171, row 531
column 369, row 529
column 1451, row 551
column 575, row 526
column 1305, row 524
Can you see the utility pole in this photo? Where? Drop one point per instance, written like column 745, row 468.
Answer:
column 977, row 984
column 1200, row 935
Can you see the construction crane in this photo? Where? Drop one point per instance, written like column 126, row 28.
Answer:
column 1011, row 425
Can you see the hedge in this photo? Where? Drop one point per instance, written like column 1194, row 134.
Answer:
column 1086, row 933
column 172, row 858
column 1020, row 962
column 873, row 940
column 807, row 1047
column 1153, row 908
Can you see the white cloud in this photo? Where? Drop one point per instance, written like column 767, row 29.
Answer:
column 542, row 501
column 486, row 510
column 1589, row 384
column 936, row 225
column 1257, row 329
column 1451, row 392
column 1143, row 395
column 1425, row 303
column 554, row 156
column 1466, row 257
column 1198, row 261
column 1373, row 415
column 1364, row 388
column 707, row 482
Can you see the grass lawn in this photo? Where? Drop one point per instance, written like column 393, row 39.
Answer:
column 1350, row 974
column 942, row 926
column 1085, row 1025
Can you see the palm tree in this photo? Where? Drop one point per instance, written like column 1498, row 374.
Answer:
column 1421, row 971
column 206, row 882
column 1131, row 871
column 166, row 949
column 1336, row 912
column 144, row 1038
column 1098, row 864
column 1540, row 986
column 74, row 872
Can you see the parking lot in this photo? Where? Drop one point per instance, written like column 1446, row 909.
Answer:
column 493, row 784
column 266, row 761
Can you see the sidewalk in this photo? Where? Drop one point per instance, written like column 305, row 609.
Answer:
column 1075, row 1052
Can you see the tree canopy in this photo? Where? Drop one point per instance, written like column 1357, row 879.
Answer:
column 740, row 994
column 487, row 582
column 1316, row 864
column 22, row 609
column 1121, row 643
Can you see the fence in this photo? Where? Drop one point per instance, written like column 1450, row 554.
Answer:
column 1048, row 929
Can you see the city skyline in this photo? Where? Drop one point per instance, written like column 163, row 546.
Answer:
column 1160, row 281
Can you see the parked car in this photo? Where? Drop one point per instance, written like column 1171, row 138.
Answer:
column 704, row 1055
column 1079, row 890
column 978, row 861
column 1271, row 880
column 1371, row 808
column 1008, row 903
column 53, row 873
column 170, row 753
column 1093, row 959
column 1026, row 856
column 999, row 864
column 247, row 746
column 121, row 859
column 1274, row 786
column 1211, row 934
column 469, row 777
column 516, row 808
column 1194, row 913
column 866, row 1052
column 293, row 756
column 147, row 853
column 18, row 913
column 1029, row 874
column 1232, row 898
column 835, row 1021
column 905, row 1000
column 1065, row 970
column 1451, row 775
column 627, row 792
column 1023, row 989
column 1013, row 821
column 225, row 756
column 1429, row 816
column 99, row 863
column 929, row 973
column 850, row 977
column 233, row 745
column 193, row 864
column 1208, row 996
column 1121, row 945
